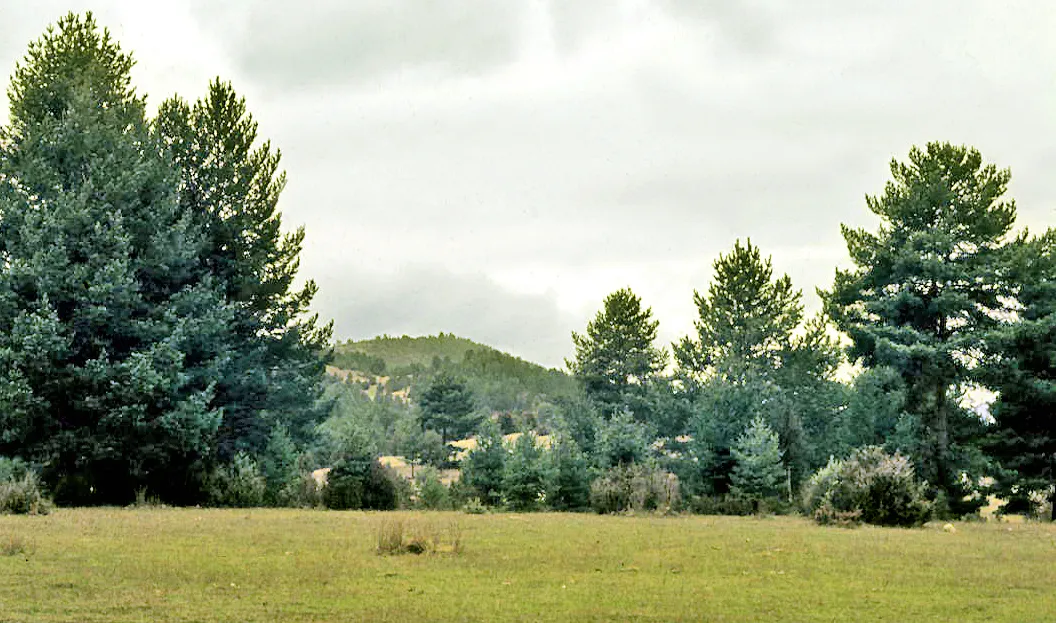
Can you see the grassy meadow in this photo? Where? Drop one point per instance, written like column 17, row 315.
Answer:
column 158, row 564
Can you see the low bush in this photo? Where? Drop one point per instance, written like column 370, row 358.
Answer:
column 15, row 545
column 23, row 496
column 394, row 536
column 239, row 484
column 432, row 493
column 737, row 505
column 634, row 487
column 361, row 484
column 869, row 486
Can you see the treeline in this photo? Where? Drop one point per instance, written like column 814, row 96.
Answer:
column 151, row 337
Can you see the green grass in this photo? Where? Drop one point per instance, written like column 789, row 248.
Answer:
column 289, row 565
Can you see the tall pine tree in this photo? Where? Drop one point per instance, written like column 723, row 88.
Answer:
column 230, row 183
column 926, row 288
column 111, row 340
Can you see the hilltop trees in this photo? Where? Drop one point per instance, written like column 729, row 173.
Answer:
column 927, row 288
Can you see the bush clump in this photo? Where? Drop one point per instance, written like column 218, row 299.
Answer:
column 239, row 484
column 23, row 495
column 869, row 486
column 361, row 484
column 634, row 487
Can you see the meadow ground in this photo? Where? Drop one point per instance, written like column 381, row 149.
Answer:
column 289, row 565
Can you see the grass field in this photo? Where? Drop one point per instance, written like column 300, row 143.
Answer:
column 289, row 565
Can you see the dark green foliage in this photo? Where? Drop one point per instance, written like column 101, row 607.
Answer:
column 111, row 339
column 347, row 359
column 634, row 487
column 569, row 476
column 757, row 471
column 615, row 358
column 360, row 483
column 484, row 467
column 1022, row 367
column 524, row 479
column 229, row 183
column 926, row 288
column 869, row 486
column 447, row 406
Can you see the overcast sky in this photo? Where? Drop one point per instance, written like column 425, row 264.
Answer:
column 494, row 169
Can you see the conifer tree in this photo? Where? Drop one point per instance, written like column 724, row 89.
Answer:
column 111, row 340
column 926, row 289
column 615, row 358
column 230, row 183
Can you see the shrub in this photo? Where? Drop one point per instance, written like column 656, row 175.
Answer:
column 393, row 536
column 23, row 496
column 474, row 507
column 361, row 484
column 634, row 487
column 869, row 486
column 432, row 493
column 238, row 484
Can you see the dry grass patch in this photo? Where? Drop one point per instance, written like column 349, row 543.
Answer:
column 417, row 535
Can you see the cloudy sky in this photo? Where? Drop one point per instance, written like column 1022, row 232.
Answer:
column 494, row 169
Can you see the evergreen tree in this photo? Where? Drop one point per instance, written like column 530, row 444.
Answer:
column 745, row 322
column 111, row 340
column 758, row 471
column 615, row 358
column 230, row 183
column 524, row 479
column 1022, row 368
column 447, row 406
column 568, row 488
column 927, row 288
column 484, row 467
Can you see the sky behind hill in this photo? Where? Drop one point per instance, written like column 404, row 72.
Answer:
column 494, row 169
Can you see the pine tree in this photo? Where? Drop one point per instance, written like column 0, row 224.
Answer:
column 745, row 322
column 615, row 358
column 927, row 288
column 447, row 406
column 484, row 468
column 758, row 471
column 110, row 340
column 230, row 183
column 1022, row 368
column 524, row 479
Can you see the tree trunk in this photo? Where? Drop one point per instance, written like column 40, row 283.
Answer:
column 942, row 436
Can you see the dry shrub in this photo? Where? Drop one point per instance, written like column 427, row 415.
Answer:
column 23, row 496
column 397, row 535
column 15, row 545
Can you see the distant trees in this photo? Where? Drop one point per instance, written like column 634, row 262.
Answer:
column 926, row 289
column 447, row 406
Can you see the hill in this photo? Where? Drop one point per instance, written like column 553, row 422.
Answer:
column 500, row 382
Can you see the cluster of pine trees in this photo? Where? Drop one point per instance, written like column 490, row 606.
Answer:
column 944, row 300
column 150, row 329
